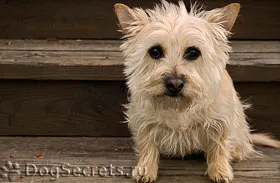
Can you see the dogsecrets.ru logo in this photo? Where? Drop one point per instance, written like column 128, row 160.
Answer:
column 18, row 172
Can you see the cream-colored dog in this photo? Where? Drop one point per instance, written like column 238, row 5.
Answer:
column 182, row 98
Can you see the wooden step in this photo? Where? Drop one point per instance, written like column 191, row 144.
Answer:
column 82, row 153
column 102, row 60
column 76, row 87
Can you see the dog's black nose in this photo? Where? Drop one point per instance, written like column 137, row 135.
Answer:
column 174, row 85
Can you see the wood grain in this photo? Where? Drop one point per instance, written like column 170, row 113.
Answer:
column 264, row 115
column 113, row 45
column 94, row 108
column 60, row 98
column 66, row 108
column 96, row 19
column 101, row 60
column 91, row 152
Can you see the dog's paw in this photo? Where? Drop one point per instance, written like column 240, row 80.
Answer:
column 236, row 156
column 144, row 174
column 220, row 175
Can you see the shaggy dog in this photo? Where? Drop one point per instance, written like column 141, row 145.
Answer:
column 182, row 98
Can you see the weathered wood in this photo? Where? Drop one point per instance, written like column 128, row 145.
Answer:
column 96, row 19
column 91, row 152
column 66, row 108
column 264, row 115
column 113, row 45
column 77, row 45
column 102, row 60
column 94, row 108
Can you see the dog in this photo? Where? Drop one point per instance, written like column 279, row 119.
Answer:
column 182, row 99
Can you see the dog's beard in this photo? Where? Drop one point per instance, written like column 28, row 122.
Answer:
column 165, row 102
column 158, row 97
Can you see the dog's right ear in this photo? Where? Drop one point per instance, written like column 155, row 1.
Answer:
column 125, row 16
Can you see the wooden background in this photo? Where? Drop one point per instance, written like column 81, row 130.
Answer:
column 54, row 84
column 94, row 19
column 70, row 88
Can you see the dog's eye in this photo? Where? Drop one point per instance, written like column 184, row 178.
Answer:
column 192, row 53
column 156, row 52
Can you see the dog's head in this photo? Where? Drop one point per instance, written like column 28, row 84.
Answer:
column 175, row 57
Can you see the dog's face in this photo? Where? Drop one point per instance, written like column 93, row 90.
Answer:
column 173, row 57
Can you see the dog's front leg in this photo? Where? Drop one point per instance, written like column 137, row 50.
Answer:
column 218, row 160
column 148, row 158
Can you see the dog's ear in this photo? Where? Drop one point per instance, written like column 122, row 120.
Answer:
column 225, row 16
column 125, row 16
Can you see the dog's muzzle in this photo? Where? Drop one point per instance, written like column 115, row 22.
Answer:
column 174, row 85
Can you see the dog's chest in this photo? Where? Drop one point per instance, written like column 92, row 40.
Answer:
column 179, row 142
column 177, row 135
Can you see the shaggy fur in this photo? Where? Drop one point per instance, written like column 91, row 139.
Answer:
column 208, row 116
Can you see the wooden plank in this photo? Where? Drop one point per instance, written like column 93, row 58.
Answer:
column 66, row 108
column 264, row 115
column 52, row 152
column 113, row 45
column 96, row 19
column 102, row 60
column 80, row 58
column 74, row 45
column 94, row 108
column 255, row 46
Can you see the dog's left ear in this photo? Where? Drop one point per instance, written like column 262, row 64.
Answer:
column 130, row 20
column 226, row 16
column 125, row 15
